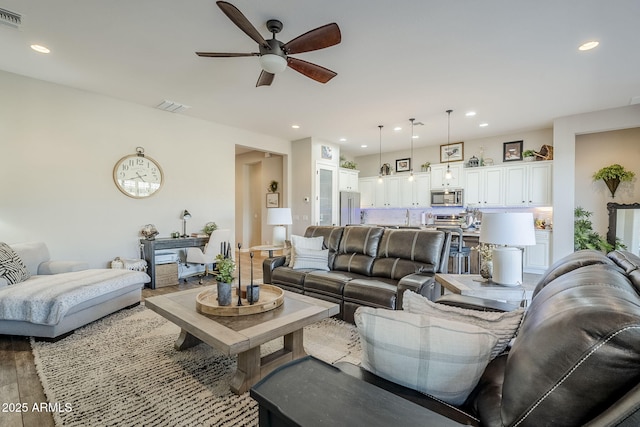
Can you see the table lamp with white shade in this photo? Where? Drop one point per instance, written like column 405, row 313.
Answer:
column 279, row 217
column 507, row 230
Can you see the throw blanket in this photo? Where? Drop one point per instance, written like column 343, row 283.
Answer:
column 46, row 299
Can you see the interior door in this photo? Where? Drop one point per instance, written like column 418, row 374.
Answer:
column 326, row 209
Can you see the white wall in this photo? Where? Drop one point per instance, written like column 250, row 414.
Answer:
column 58, row 147
column 565, row 130
column 491, row 147
column 595, row 151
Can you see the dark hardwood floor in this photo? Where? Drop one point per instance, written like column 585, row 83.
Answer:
column 20, row 386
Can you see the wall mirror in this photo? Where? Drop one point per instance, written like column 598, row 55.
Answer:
column 624, row 223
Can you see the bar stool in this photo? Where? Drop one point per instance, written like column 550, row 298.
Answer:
column 459, row 252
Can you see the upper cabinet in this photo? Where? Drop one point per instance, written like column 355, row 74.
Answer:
column 521, row 185
column 438, row 180
column 348, row 179
column 483, row 187
column 528, row 184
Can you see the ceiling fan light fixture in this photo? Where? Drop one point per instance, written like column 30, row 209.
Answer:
column 273, row 64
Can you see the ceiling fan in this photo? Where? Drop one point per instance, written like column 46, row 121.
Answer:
column 274, row 55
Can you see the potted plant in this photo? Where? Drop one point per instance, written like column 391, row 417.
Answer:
column 612, row 176
column 425, row 166
column 210, row 227
column 348, row 164
column 584, row 236
column 529, row 155
column 224, row 276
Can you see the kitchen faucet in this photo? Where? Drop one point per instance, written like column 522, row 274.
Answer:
column 407, row 218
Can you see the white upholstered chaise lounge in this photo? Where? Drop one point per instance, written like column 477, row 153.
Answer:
column 60, row 296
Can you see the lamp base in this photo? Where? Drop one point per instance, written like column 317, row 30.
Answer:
column 507, row 266
column 279, row 235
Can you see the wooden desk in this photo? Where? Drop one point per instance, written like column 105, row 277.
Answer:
column 475, row 285
column 151, row 246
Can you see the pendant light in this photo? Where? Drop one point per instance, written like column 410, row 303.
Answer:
column 447, row 174
column 411, row 155
column 380, row 155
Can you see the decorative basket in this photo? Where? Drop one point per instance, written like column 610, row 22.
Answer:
column 546, row 153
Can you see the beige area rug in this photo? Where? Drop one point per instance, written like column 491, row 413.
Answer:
column 123, row 371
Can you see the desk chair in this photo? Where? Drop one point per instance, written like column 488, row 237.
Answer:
column 211, row 249
column 459, row 252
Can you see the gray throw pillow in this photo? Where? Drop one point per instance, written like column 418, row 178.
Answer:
column 440, row 357
column 503, row 325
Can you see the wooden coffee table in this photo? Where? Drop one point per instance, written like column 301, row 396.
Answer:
column 243, row 335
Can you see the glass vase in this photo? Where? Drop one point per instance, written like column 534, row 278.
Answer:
column 486, row 269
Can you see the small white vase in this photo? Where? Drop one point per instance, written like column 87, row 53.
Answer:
column 486, row 269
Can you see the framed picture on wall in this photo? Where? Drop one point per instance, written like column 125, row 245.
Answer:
column 403, row 165
column 326, row 152
column 273, row 200
column 512, row 151
column 452, row 152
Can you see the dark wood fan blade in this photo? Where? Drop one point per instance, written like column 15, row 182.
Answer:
column 242, row 22
column 313, row 71
column 224, row 55
column 325, row 36
column 265, row 79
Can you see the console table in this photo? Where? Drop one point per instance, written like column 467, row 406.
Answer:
column 151, row 246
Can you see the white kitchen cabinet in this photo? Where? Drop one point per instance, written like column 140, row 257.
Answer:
column 438, row 181
column 528, row 185
column 484, row 187
column 388, row 192
column 348, row 179
column 416, row 193
column 367, row 188
column 537, row 258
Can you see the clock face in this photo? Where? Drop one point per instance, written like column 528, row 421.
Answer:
column 137, row 176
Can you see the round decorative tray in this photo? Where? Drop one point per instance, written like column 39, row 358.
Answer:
column 270, row 297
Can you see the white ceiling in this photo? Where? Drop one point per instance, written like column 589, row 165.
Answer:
column 515, row 62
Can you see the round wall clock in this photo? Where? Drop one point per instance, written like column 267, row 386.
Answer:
column 137, row 175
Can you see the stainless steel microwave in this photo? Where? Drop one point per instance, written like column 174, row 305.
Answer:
column 451, row 197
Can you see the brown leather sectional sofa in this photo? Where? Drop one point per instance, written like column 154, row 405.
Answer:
column 369, row 266
column 575, row 360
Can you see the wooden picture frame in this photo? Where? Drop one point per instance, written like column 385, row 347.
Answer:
column 273, row 200
column 512, row 151
column 403, row 165
column 453, row 152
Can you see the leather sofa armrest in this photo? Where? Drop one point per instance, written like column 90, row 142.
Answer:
column 268, row 265
column 414, row 396
column 475, row 303
column 57, row 267
column 624, row 412
column 422, row 283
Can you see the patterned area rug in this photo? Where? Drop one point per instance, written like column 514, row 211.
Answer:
column 123, row 371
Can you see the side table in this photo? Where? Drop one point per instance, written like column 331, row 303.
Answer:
column 475, row 285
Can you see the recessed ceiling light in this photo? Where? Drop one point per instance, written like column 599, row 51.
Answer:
column 397, row 128
column 295, row 126
column 588, row 45
column 363, row 146
column 470, row 114
column 483, row 125
column 40, row 48
column 343, row 139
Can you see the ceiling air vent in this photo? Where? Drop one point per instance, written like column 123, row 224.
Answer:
column 172, row 107
column 11, row 19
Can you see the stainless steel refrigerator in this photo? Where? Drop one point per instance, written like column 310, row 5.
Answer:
column 349, row 208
